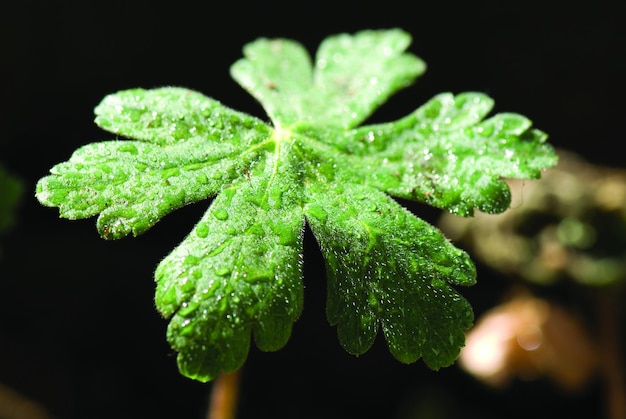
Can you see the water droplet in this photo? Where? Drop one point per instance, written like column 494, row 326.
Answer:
column 218, row 249
column 202, row 178
column 366, row 322
column 220, row 214
column 222, row 271
column 486, row 130
column 186, row 285
column 104, row 167
column 202, row 230
column 172, row 171
column 372, row 300
column 133, row 115
column 187, row 308
column 438, row 283
column 318, row 212
column 259, row 276
column 128, row 148
column 216, row 122
column 186, row 327
column 327, row 169
column 141, row 166
column 191, row 260
column 286, row 235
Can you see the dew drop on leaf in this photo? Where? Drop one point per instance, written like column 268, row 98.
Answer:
column 220, row 214
column 202, row 178
column 128, row 148
column 186, row 285
column 222, row 271
column 133, row 115
column 202, row 230
column 373, row 302
column 187, row 308
column 318, row 212
column 141, row 166
column 438, row 283
column 186, row 327
column 191, row 260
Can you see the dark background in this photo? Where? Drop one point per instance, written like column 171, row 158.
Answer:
column 78, row 329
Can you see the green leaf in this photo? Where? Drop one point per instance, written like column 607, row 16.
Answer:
column 353, row 75
column 390, row 269
column 445, row 154
column 238, row 271
column 238, row 275
column 189, row 147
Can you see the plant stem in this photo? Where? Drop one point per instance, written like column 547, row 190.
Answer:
column 224, row 392
column 611, row 355
column 14, row 405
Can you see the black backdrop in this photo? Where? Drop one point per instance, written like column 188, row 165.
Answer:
column 78, row 329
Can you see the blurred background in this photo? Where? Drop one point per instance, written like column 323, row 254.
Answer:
column 79, row 334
